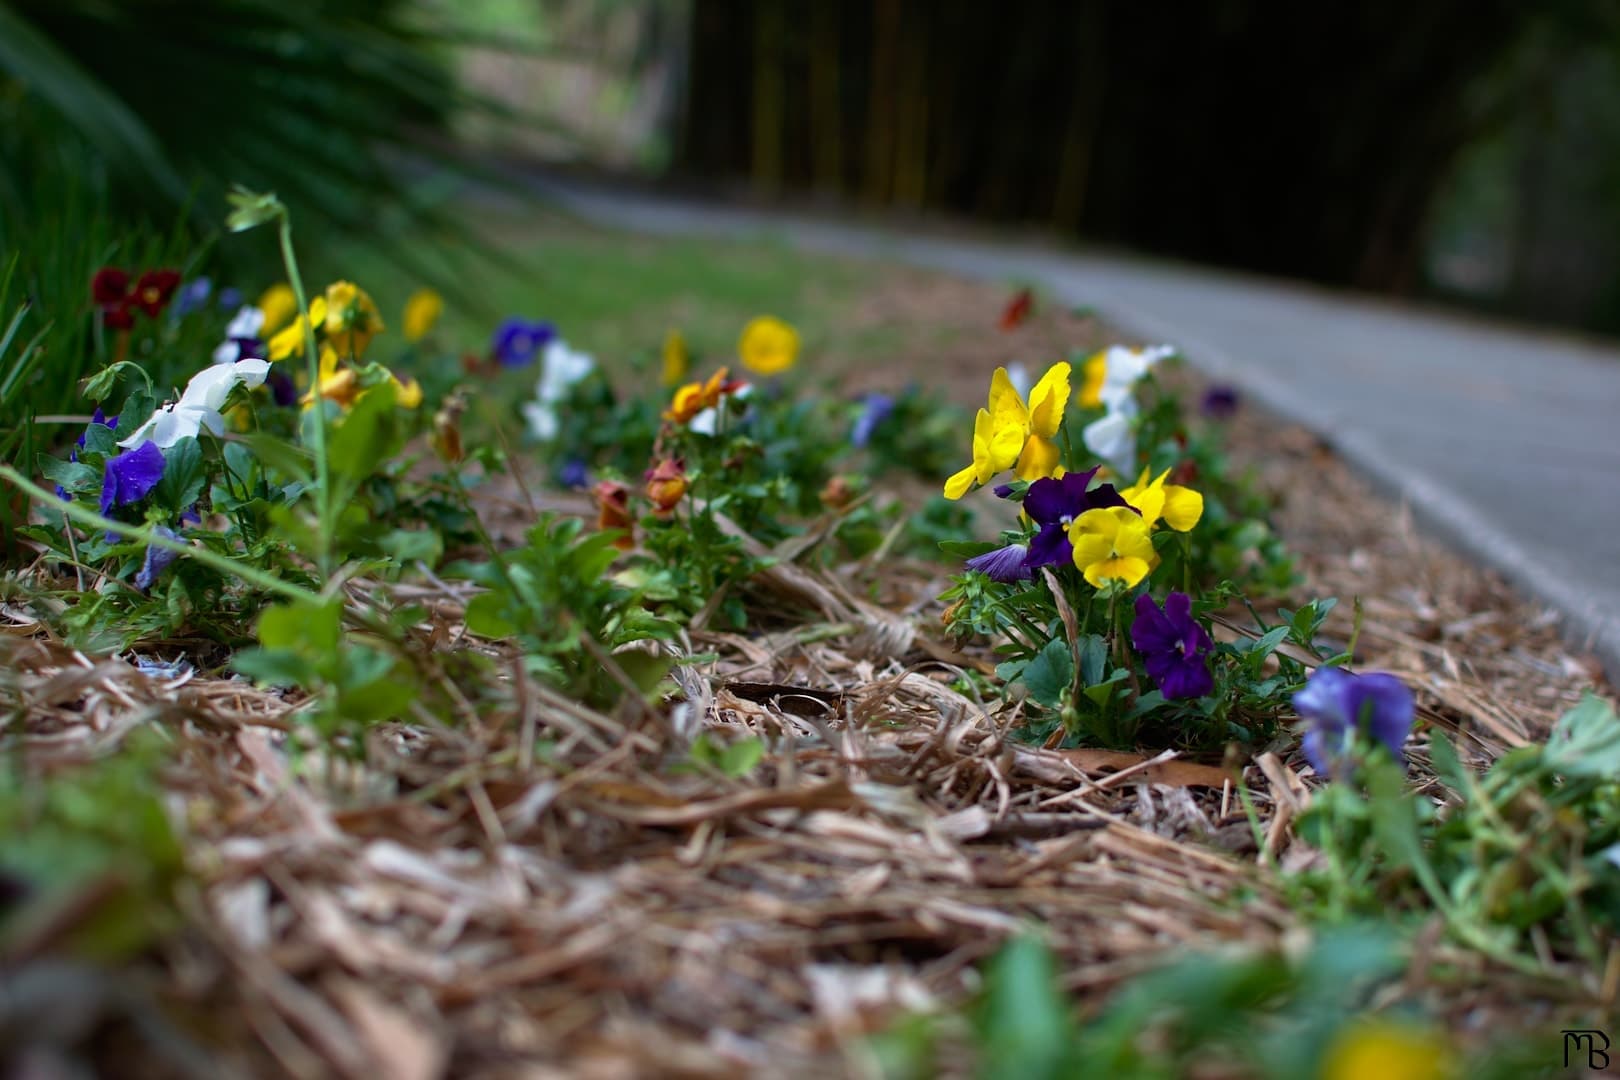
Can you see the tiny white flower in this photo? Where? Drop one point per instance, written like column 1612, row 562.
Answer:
column 706, row 422
column 542, row 420
column 561, row 368
column 246, row 323
column 199, row 404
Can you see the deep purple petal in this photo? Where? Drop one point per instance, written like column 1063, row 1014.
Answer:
column 1002, row 564
column 130, row 477
column 1220, row 402
column 283, row 391
column 1106, row 495
column 1180, row 676
column 157, row 559
column 1051, row 547
column 1003, row 490
column 1049, row 501
column 1151, row 632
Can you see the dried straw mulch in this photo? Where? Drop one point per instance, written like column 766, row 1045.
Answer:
column 537, row 888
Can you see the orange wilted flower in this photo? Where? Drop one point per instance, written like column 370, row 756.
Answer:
column 666, row 485
column 693, row 398
column 1018, row 309
column 613, row 511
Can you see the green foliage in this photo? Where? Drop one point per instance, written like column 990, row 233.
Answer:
column 1526, row 850
column 556, row 599
column 99, row 834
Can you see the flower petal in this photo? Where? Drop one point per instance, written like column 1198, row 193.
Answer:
column 1048, row 401
column 1182, row 507
column 1003, row 564
column 1050, row 547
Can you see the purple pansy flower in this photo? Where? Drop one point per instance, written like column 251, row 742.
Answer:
column 1338, row 703
column 1219, row 402
column 230, row 298
column 875, row 408
column 573, row 474
column 1054, row 504
column 157, row 558
column 130, row 477
column 193, row 295
column 1173, row 646
column 1003, row 564
column 283, row 391
column 517, row 341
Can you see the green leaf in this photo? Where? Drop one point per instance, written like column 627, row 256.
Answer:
column 1050, row 673
column 739, row 759
column 368, row 433
column 1093, row 659
column 73, row 475
column 1023, row 1021
column 184, row 474
column 646, row 670
column 1586, row 741
column 280, row 455
column 309, row 629
column 275, row 667
column 486, row 616
column 250, row 209
column 1447, row 764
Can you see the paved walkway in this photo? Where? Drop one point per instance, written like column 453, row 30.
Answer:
column 1505, row 441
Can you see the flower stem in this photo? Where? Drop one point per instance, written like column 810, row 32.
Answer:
column 323, row 479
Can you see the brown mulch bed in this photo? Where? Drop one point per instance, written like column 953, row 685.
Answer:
column 541, row 884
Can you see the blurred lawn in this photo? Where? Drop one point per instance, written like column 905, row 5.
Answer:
column 615, row 295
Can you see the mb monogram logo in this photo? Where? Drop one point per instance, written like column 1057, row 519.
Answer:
column 1588, row 1048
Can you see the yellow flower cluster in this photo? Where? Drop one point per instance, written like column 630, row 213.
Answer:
column 1115, row 544
column 1007, row 434
column 345, row 320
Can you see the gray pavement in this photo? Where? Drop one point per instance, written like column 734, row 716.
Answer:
column 1505, row 441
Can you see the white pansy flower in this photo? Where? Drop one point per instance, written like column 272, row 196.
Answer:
column 199, row 405
column 1112, row 437
column 561, row 368
column 1124, row 367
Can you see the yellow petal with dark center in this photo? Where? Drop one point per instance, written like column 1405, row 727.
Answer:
column 1124, row 569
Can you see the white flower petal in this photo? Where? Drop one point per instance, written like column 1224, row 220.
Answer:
column 246, row 323
column 706, row 422
column 542, row 420
column 229, row 352
column 209, row 388
column 1113, row 439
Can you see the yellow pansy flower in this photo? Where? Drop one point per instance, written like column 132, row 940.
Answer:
column 422, row 313
column 338, row 383
column 1180, row 507
column 1093, row 373
column 1008, row 434
column 1112, row 544
column 677, row 360
column 352, row 318
column 289, row 341
column 279, row 306
column 768, row 346
column 407, row 392
column 1382, row 1050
